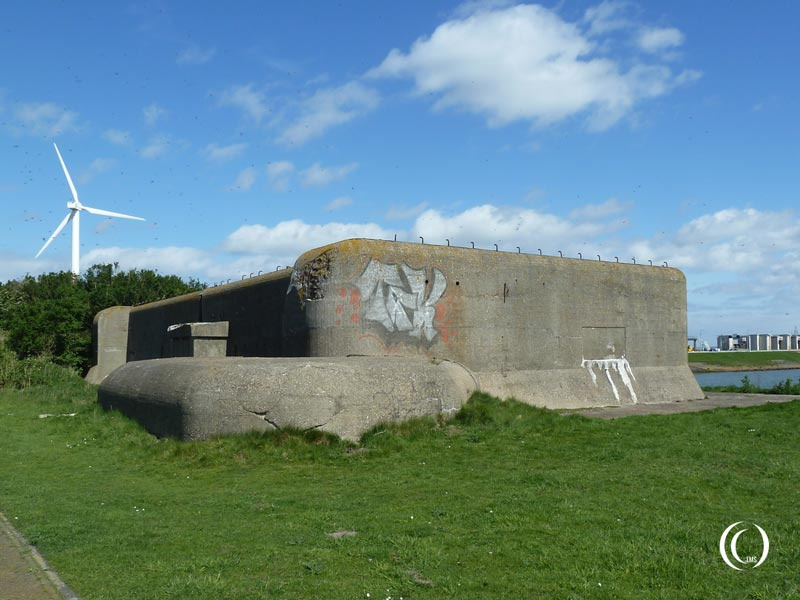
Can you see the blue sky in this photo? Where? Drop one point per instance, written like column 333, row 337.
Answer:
column 248, row 132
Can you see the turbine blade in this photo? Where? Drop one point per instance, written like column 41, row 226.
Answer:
column 63, row 224
column 108, row 213
column 69, row 179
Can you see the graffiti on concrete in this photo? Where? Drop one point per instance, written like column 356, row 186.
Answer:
column 618, row 365
column 401, row 298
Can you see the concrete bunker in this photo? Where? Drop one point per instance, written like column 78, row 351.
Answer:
column 549, row 331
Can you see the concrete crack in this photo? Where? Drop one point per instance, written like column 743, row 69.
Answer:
column 316, row 426
column 263, row 416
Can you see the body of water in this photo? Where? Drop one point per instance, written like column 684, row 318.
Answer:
column 762, row 379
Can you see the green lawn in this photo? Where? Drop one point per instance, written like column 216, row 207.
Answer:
column 745, row 360
column 507, row 501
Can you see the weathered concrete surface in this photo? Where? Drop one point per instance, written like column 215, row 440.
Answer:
column 109, row 342
column 194, row 398
column 551, row 331
column 148, row 325
column 554, row 332
column 198, row 339
column 711, row 401
column 253, row 308
column 573, row 388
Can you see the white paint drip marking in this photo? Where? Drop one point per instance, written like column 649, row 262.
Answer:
column 621, row 366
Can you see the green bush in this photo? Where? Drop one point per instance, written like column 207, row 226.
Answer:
column 51, row 315
column 27, row 372
column 786, row 388
column 747, row 387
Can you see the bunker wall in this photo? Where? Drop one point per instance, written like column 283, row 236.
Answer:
column 148, row 323
column 516, row 320
column 557, row 332
column 254, row 311
column 490, row 310
column 252, row 307
column 109, row 342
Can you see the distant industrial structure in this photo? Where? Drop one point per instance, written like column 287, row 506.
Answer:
column 759, row 341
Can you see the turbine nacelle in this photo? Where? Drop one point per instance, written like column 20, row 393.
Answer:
column 75, row 208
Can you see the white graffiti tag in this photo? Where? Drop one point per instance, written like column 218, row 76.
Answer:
column 394, row 296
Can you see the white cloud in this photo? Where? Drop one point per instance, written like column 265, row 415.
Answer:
column 338, row 202
column 525, row 63
column 158, row 146
column 167, row 259
column 657, row 39
column 243, row 97
column 117, row 136
column 327, row 108
column 279, row 168
column 216, row 153
column 46, row 119
column 606, row 17
column 279, row 173
column 742, row 269
column 245, row 180
column 295, row 237
column 688, row 76
column 398, row 213
column 152, row 113
column 591, row 212
column 194, row 55
column 734, row 240
column 97, row 167
column 318, row 176
column 15, row 266
column 104, row 225
column 508, row 227
column 184, row 261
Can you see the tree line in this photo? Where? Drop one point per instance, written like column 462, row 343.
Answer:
column 51, row 315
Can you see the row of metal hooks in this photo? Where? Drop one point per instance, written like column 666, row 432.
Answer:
column 447, row 240
column 224, row 282
column 560, row 253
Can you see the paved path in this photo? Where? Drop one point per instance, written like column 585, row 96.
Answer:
column 24, row 575
column 712, row 400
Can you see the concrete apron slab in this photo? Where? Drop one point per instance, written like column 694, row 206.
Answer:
column 24, row 574
column 196, row 398
column 711, row 401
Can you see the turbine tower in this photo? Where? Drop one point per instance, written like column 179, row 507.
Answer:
column 75, row 207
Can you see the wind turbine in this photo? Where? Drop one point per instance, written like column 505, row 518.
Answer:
column 75, row 207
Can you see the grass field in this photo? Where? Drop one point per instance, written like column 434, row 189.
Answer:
column 506, row 501
column 746, row 360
